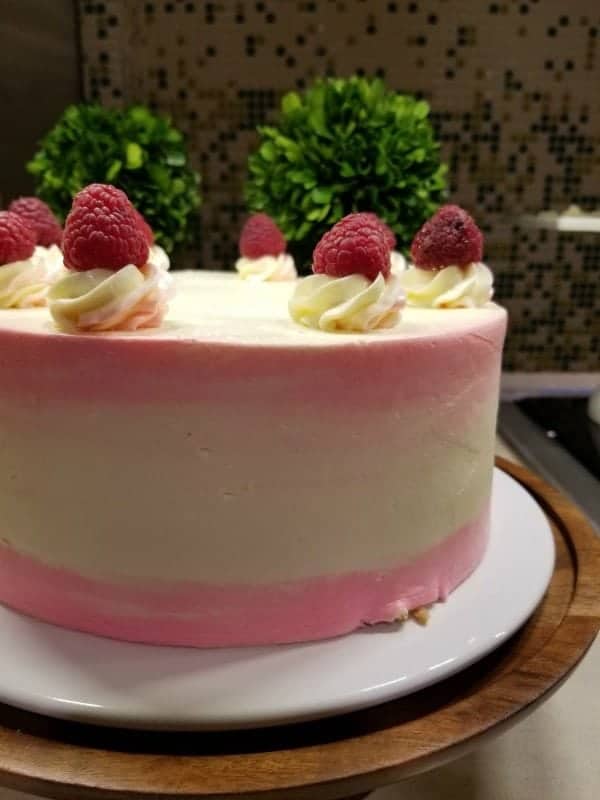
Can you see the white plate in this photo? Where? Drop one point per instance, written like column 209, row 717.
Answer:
column 89, row 679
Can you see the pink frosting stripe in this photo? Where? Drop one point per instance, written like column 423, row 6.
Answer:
column 75, row 369
column 217, row 616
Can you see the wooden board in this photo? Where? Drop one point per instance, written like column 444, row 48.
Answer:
column 345, row 756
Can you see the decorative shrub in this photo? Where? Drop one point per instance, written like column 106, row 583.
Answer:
column 346, row 145
column 134, row 149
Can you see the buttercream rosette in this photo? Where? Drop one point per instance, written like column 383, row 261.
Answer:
column 115, row 282
column 353, row 287
column 447, row 270
column 263, row 255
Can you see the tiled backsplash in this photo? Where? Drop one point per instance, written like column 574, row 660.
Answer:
column 514, row 92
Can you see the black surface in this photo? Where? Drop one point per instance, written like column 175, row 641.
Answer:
column 567, row 418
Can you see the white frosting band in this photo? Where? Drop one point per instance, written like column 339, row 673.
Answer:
column 158, row 257
column 267, row 268
column 451, row 287
column 103, row 300
column 347, row 304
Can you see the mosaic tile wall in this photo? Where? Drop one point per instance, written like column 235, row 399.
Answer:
column 513, row 85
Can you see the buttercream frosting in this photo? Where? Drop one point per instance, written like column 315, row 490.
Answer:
column 398, row 262
column 267, row 268
column 24, row 284
column 352, row 303
column 103, row 300
column 159, row 257
column 450, row 287
column 52, row 258
column 170, row 425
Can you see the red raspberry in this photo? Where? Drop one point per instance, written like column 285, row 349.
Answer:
column 390, row 236
column 103, row 231
column 449, row 238
column 39, row 217
column 355, row 245
column 17, row 238
column 145, row 228
column 260, row 236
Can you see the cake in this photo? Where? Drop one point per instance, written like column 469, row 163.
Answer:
column 234, row 477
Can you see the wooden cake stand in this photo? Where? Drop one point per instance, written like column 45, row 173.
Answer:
column 343, row 757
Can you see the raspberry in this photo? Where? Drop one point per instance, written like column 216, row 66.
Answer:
column 145, row 228
column 102, row 231
column 260, row 236
column 449, row 238
column 17, row 238
column 39, row 217
column 355, row 245
column 390, row 236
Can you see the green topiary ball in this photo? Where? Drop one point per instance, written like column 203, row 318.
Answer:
column 346, row 145
column 134, row 149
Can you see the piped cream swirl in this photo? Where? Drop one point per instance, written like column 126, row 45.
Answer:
column 267, row 268
column 352, row 303
column 24, row 284
column 398, row 262
column 103, row 300
column 450, row 287
column 52, row 259
column 159, row 257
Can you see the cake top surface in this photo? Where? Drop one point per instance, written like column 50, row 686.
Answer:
column 218, row 307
